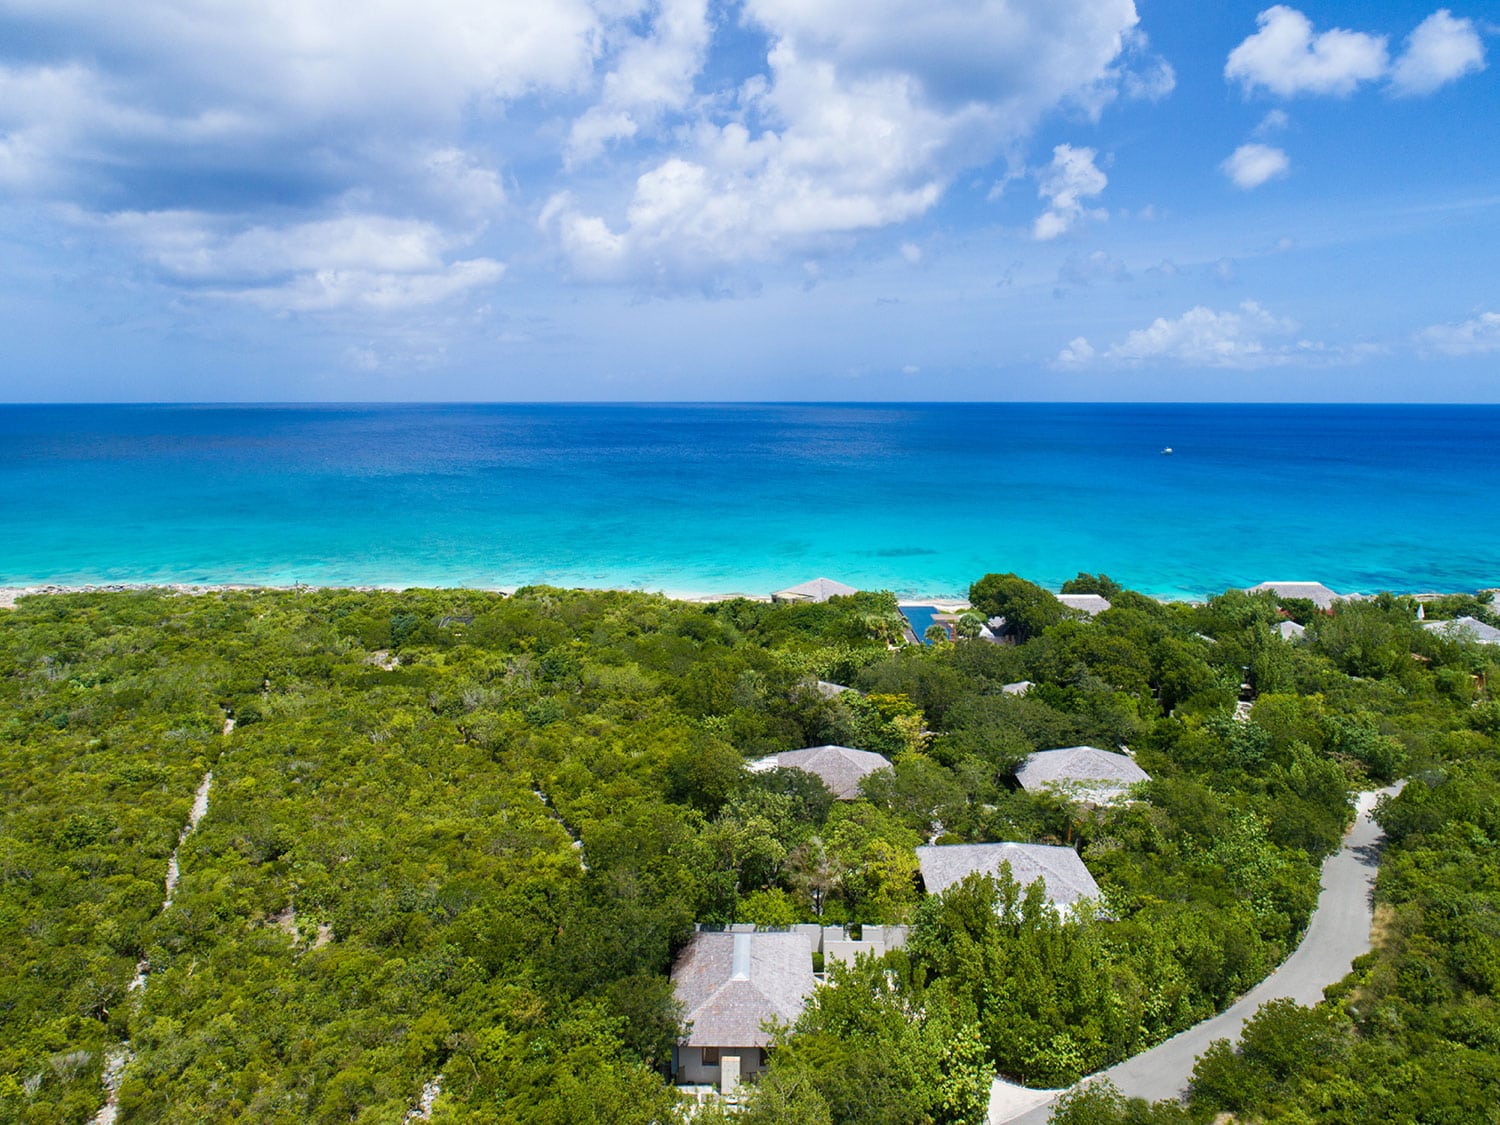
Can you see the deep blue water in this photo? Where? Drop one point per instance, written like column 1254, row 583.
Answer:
column 918, row 499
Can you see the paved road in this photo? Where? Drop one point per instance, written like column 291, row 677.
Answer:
column 1338, row 932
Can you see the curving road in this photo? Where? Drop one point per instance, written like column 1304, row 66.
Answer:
column 1338, row 932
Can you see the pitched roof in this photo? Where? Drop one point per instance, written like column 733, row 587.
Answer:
column 1088, row 603
column 1315, row 592
column 1081, row 771
column 1465, row 629
column 1020, row 687
column 1290, row 630
column 730, row 983
column 840, row 768
column 1062, row 873
column 818, row 590
column 829, row 690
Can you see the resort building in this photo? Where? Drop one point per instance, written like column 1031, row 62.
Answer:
column 1081, row 773
column 1063, row 875
column 818, row 590
column 1315, row 592
column 730, row 985
column 1290, row 630
column 1020, row 687
column 1469, row 629
column 839, row 767
column 1091, row 604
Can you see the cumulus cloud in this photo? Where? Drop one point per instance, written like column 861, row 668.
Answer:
column 1479, row 335
column 1065, row 184
column 652, row 75
column 863, row 116
column 819, row 120
column 1287, row 58
column 282, row 151
column 1441, row 50
column 1253, row 164
column 1244, row 338
column 354, row 261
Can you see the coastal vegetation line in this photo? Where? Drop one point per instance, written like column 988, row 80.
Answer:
column 377, row 896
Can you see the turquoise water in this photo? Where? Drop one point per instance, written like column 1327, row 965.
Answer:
column 918, row 499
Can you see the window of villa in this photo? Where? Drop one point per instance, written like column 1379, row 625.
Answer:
column 710, row 1056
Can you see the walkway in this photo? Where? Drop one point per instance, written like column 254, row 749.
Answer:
column 1338, row 932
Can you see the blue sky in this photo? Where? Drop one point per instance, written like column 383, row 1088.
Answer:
column 769, row 199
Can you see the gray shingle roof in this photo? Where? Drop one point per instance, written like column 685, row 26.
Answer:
column 1088, row 603
column 840, row 768
column 1062, row 873
column 1465, row 629
column 1290, row 630
column 1315, row 592
column 730, row 983
column 817, row 590
column 1083, row 772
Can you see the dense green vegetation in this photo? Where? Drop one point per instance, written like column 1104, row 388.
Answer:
column 457, row 833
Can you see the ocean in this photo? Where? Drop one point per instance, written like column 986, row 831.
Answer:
column 708, row 499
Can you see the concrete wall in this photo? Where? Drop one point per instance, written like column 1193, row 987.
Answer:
column 874, row 940
column 691, row 1070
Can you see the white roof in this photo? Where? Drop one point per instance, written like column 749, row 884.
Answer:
column 1082, row 772
column 1315, row 592
column 817, row 590
column 839, row 767
column 1062, row 873
column 1020, row 687
column 1290, row 630
column 1465, row 629
column 1088, row 603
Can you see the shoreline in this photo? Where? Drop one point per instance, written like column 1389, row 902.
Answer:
column 10, row 594
column 943, row 603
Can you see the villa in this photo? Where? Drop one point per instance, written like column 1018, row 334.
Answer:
column 1315, row 592
column 1290, row 630
column 817, row 590
column 1091, row 604
column 1469, row 629
column 1063, row 875
column 838, row 767
column 1082, row 773
column 730, row 986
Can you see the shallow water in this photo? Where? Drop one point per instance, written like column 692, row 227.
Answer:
column 919, row 499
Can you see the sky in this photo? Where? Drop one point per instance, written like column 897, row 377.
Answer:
column 700, row 200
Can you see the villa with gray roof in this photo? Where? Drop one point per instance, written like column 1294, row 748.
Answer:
column 1315, row 592
column 1081, row 773
column 1063, row 875
column 1290, row 630
column 1469, row 629
column 817, row 590
column 730, row 985
column 1091, row 604
column 839, row 767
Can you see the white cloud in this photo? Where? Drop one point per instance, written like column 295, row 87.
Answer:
column 1440, row 50
column 1253, row 164
column 328, row 289
column 1076, row 353
column 1479, row 335
column 1245, row 338
column 1065, row 184
column 355, row 261
column 866, row 113
column 652, row 74
column 1273, row 122
column 1287, row 58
